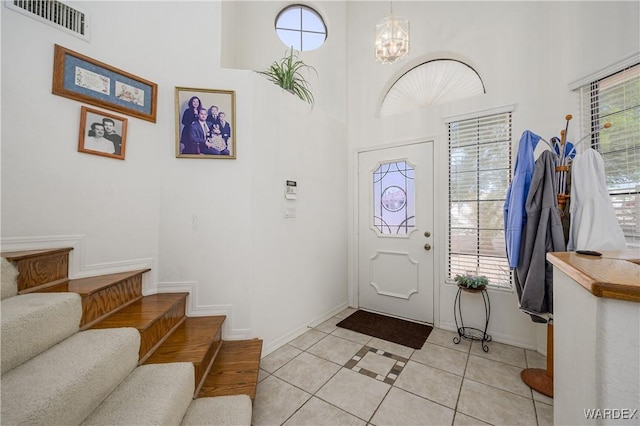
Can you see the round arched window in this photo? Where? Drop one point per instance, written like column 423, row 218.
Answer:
column 430, row 83
column 301, row 27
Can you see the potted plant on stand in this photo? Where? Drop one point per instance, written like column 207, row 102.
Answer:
column 474, row 284
column 286, row 73
column 471, row 282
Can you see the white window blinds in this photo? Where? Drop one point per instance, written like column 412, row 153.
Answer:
column 616, row 99
column 479, row 174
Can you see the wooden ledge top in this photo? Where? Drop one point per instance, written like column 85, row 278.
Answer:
column 25, row 254
column 614, row 275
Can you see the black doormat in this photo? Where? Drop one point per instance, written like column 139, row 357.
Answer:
column 405, row 333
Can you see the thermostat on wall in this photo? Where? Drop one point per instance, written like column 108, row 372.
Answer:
column 290, row 189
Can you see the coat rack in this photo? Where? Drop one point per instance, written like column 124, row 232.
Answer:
column 536, row 378
column 565, row 151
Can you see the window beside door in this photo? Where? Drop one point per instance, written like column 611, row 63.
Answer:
column 479, row 175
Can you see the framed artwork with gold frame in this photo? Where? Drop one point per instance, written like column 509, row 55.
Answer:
column 205, row 123
column 102, row 133
column 83, row 79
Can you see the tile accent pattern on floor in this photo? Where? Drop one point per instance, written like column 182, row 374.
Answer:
column 331, row 377
column 388, row 375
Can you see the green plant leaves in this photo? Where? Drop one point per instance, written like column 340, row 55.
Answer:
column 471, row 281
column 286, row 73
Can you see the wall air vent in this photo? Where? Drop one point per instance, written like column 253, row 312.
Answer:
column 55, row 13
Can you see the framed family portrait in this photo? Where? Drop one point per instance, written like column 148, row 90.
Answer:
column 83, row 79
column 102, row 133
column 205, row 123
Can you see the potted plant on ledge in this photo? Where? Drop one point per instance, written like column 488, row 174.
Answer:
column 471, row 282
column 286, row 73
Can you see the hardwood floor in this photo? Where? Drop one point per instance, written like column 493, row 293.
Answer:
column 91, row 285
column 236, row 369
column 196, row 340
column 104, row 295
column 155, row 316
column 166, row 333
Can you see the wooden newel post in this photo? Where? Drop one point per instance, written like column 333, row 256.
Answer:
column 538, row 379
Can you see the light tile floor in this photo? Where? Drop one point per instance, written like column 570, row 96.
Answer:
column 334, row 376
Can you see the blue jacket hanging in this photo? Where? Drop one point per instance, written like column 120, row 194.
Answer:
column 514, row 211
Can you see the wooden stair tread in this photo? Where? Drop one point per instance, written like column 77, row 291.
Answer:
column 235, row 369
column 26, row 254
column 189, row 342
column 58, row 286
column 166, row 334
column 142, row 312
column 37, row 268
column 90, row 285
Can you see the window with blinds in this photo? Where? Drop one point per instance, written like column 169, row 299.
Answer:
column 616, row 99
column 479, row 174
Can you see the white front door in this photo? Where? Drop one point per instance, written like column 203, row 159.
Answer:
column 395, row 231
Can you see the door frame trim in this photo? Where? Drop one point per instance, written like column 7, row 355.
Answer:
column 352, row 287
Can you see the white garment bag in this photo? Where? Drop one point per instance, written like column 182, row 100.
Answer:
column 594, row 225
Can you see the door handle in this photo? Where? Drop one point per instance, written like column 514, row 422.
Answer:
column 427, row 234
column 427, row 246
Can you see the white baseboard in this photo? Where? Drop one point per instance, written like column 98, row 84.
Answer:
column 283, row 340
column 495, row 337
column 78, row 267
column 195, row 310
column 77, row 242
column 41, row 242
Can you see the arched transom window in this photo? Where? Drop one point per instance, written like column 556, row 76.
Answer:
column 433, row 82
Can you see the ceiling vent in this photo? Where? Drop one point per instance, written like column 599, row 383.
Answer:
column 55, row 13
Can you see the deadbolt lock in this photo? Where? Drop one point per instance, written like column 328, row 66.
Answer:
column 427, row 246
column 427, row 233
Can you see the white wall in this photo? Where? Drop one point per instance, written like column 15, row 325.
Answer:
column 607, row 372
column 526, row 53
column 249, row 41
column 216, row 226
column 49, row 189
column 212, row 227
column 300, row 264
column 222, row 226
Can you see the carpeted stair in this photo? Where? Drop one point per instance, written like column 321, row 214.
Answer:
column 64, row 384
column 52, row 373
column 35, row 322
column 164, row 390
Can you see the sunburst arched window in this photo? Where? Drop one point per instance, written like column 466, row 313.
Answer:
column 433, row 82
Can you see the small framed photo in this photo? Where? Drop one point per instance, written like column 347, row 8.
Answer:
column 84, row 79
column 102, row 133
column 205, row 123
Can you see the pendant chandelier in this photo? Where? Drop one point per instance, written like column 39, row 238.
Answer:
column 392, row 39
